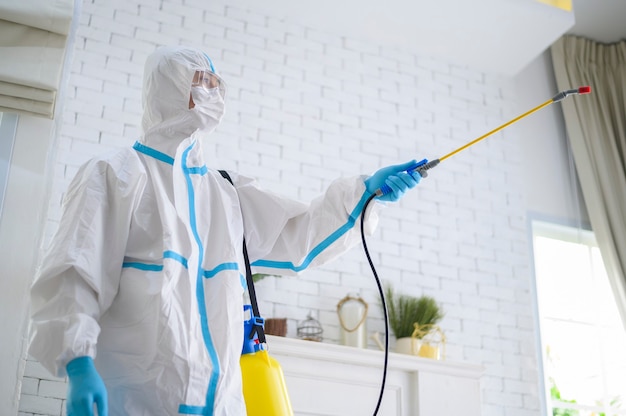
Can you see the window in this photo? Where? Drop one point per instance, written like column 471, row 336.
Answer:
column 583, row 338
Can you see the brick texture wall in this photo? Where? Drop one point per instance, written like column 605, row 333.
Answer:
column 305, row 107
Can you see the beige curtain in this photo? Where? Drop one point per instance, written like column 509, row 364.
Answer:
column 33, row 39
column 596, row 126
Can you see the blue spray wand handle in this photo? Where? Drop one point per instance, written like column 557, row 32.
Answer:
column 422, row 167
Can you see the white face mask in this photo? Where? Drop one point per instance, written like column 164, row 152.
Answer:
column 209, row 108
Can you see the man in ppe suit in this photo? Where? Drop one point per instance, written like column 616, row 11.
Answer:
column 139, row 299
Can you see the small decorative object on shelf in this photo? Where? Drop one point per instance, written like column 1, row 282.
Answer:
column 310, row 329
column 276, row 326
column 352, row 313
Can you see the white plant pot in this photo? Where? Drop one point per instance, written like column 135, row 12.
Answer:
column 408, row 345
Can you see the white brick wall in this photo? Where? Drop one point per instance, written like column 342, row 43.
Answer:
column 304, row 107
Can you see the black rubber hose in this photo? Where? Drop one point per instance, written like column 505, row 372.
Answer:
column 382, row 298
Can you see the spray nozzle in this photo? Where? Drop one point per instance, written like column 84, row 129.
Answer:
column 578, row 91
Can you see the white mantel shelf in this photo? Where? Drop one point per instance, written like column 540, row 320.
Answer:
column 326, row 380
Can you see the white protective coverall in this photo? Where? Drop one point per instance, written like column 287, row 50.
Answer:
column 147, row 264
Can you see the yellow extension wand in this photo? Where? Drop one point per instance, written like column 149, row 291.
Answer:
column 423, row 166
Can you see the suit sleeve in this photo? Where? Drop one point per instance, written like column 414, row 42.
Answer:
column 286, row 236
column 79, row 275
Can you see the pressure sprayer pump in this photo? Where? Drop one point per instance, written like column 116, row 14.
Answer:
column 423, row 167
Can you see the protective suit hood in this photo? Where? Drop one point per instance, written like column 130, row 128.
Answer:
column 167, row 118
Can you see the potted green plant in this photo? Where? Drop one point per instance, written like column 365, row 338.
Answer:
column 257, row 277
column 413, row 321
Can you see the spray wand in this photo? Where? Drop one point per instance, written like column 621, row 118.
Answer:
column 423, row 166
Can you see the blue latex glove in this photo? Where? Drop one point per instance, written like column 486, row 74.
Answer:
column 85, row 388
column 396, row 178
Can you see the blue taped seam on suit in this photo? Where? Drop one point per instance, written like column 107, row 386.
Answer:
column 175, row 256
column 224, row 266
column 215, row 371
column 151, row 267
column 202, row 170
column 153, row 153
column 191, row 410
column 207, row 410
column 274, row 263
column 143, row 266
column 210, row 62
column 356, row 212
column 321, row 246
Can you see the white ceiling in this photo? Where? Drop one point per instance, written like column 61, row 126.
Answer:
column 500, row 36
column 600, row 20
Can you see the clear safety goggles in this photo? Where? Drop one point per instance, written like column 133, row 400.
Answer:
column 209, row 81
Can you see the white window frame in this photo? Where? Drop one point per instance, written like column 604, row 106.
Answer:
column 575, row 234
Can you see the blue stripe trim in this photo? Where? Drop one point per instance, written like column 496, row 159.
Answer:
column 191, row 410
column 202, row 170
column 354, row 215
column 153, row 153
column 143, row 266
column 208, row 342
column 210, row 62
column 151, row 267
column 175, row 256
column 183, row 261
column 224, row 266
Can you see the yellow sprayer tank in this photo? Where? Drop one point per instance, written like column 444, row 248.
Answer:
column 264, row 388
